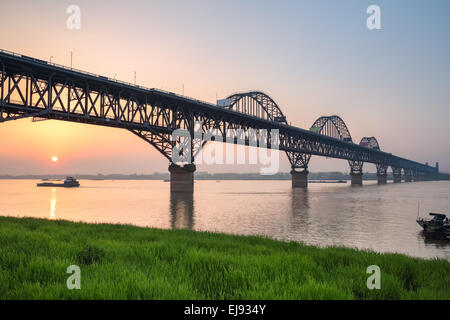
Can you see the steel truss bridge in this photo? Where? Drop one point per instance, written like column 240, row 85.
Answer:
column 35, row 88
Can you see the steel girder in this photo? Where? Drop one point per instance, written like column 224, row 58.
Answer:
column 408, row 172
column 382, row 169
column 298, row 160
column 356, row 166
column 397, row 171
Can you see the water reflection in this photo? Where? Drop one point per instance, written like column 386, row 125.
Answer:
column 182, row 210
column 53, row 204
column 436, row 243
column 300, row 209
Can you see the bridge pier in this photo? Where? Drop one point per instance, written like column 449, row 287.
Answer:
column 182, row 178
column 299, row 161
column 356, row 178
column 356, row 175
column 397, row 178
column 408, row 175
column 381, row 173
column 382, row 178
column 299, row 179
column 397, row 174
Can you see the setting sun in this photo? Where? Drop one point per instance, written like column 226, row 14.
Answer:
column 55, row 159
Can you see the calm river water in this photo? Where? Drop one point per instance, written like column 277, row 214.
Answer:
column 381, row 218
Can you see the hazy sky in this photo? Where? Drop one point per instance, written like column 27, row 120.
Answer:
column 313, row 58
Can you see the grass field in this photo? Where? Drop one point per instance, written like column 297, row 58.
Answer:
column 126, row 262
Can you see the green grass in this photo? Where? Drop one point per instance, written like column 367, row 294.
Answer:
column 126, row 262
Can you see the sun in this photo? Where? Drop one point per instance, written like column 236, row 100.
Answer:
column 55, row 159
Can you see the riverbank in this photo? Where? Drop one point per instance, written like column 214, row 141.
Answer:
column 127, row 262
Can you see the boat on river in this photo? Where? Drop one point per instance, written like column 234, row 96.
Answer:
column 437, row 227
column 69, row 182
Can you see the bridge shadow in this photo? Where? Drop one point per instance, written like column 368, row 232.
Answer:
column 300, row 209
column 182, row 211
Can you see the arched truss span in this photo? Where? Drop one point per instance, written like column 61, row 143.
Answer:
column 370, row 142
column 332, row 126
column 256, row 104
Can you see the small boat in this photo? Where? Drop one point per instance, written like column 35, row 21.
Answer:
column 437, row 227
column 70, row 182
column 327, row 181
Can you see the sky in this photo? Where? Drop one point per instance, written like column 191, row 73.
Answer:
column 313, row 58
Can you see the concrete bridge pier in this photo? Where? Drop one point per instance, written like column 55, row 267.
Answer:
column 397, row 174
column 299, row 178
column 382, row 178
column 408, row 175
column 381, row 173
column 356, row 175
column 182, row 178
column 356, row 178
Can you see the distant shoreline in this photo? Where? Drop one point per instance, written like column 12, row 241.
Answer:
column 335, row 176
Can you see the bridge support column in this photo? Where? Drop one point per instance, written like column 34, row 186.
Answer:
column 397, row 174
column 382, row 178
column 182, row 178
column 356, row 178
column 299, row 179
column 299, row 161
column 381, row 173
column 356, row 174
column 408, row 175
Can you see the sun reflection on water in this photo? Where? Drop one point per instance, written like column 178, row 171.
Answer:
column 53, row 204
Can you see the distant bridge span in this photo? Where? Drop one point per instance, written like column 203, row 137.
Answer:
column 31, row 87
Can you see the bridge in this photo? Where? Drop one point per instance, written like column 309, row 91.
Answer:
column 35, row 88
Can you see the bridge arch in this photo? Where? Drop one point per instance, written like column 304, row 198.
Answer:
column 257, row 104
column 332, row 126
column 370, row 142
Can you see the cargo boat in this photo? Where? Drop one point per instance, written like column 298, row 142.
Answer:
column 70, row 182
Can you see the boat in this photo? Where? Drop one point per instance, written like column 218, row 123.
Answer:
column 437, row 227
column 70, row 182
column 327, row 181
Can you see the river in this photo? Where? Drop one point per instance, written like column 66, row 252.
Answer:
column 380, row 218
